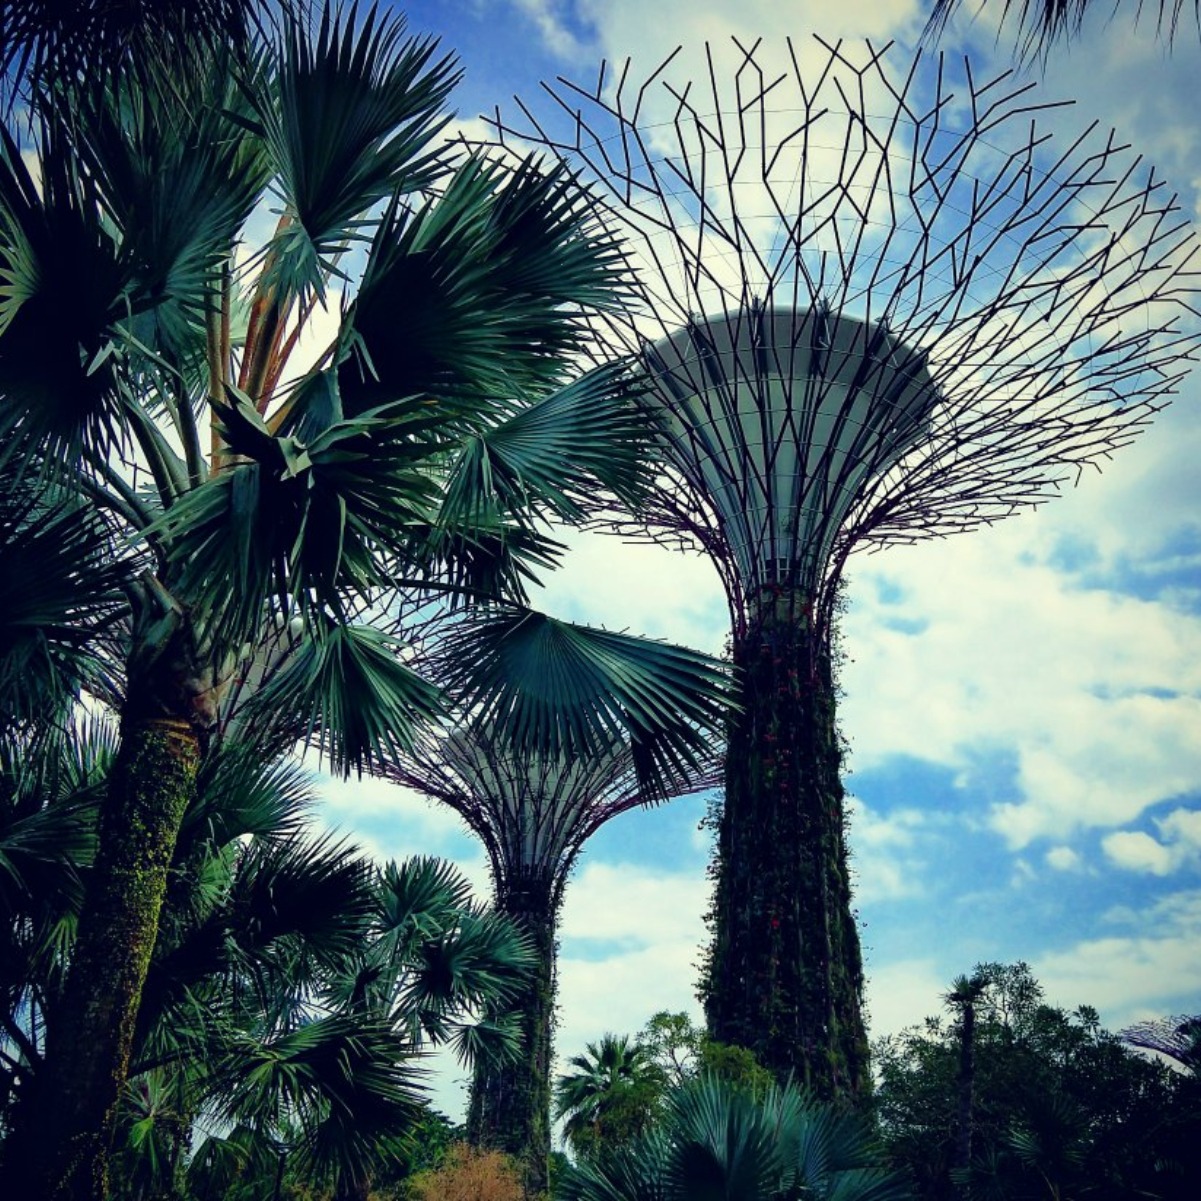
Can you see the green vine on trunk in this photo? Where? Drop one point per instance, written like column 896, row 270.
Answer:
column 784, row 973
column 510, row 1102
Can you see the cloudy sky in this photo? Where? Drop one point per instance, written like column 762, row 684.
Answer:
column 1022, row 704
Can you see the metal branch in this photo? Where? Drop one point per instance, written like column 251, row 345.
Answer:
column 1002, row 307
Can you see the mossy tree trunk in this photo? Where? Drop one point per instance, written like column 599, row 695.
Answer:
column 784, row 976
column 510, row 1103
column 72, row 1115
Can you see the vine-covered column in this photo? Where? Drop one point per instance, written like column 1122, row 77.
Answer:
column 785, row 976
column 510, row 1102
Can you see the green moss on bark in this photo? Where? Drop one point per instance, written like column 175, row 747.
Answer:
column 784, row 976
column 90, row 1038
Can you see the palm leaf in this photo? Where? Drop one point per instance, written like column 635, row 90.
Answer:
column 47, row 39
column 552, row 455
column 347, row 691
column 60, row 590
column 548, row 686
column 63, row 289
column 312, row 521
column 239, row 794
column 350, row 119
column 316, row 891
column 1040, row 23
column 478, row 294
column 178, row 176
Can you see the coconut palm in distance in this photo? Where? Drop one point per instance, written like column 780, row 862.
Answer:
column 964, row 995
column 613, row 1091
column 259, row 520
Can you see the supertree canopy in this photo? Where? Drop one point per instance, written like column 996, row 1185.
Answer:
column 533, row 814
column 881, row 302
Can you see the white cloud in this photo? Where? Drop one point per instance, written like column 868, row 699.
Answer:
column 1152, row 970
column 622, row 27
column 902, row 992
column 980, row 645
column 1063, row 859
column 547, row 18
column 886, row 861
column 1138, row 852
column 636, row 905
column 1178, row 846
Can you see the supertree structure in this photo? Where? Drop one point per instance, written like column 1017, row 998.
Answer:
column 533, row 814
column 878, row 305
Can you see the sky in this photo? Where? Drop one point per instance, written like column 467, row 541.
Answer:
column 1021, row 703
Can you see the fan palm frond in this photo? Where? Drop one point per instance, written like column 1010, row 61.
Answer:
column 541, row 684
column 351, row 119
column 485, row 283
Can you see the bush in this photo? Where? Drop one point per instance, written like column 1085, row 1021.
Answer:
column 468, row 1174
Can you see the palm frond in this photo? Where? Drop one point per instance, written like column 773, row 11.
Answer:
column 347, row 691
column 548, row 686
column 1039, row 24
column 551, row 456
column 316, row 891
column 63, row 290
column 351, row 118
column 178, row 176
column 60, row 589
column 48, row 39
column 239, row 794
column 478, row 294
column 309, row 521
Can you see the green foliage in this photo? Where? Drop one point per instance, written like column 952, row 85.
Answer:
column 718, row 1141
column 612, row 1095
column 293, row 989
column 1060, row 1106
column 684, row 1051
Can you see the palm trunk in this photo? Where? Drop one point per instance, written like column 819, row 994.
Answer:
column 785, row 974
column 90, row 1035
column 510, row 1103
column 967, row 1076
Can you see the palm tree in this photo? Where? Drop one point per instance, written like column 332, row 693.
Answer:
column 258, row 524
column 716, row 1141
column 294, row 985
column 964, row 995
column 612, row 1095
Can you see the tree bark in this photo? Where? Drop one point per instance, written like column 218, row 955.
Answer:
column 784, row 976
column 72, row 1115
column 510, row 1103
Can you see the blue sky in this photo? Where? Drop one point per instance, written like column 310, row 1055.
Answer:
column 1022, row 703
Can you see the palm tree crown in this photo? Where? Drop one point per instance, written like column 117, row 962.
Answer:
column 263, row 530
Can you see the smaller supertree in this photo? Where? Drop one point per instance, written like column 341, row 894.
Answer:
column 533, row 814
column 1179, row 1038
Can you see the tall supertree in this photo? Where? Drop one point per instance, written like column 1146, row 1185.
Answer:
column 533, row 813
column 879, row 305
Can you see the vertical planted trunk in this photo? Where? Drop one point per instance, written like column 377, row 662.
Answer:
column 69, row 1125
column 510, row 1103
column 964, row 1116
column 785, row 974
